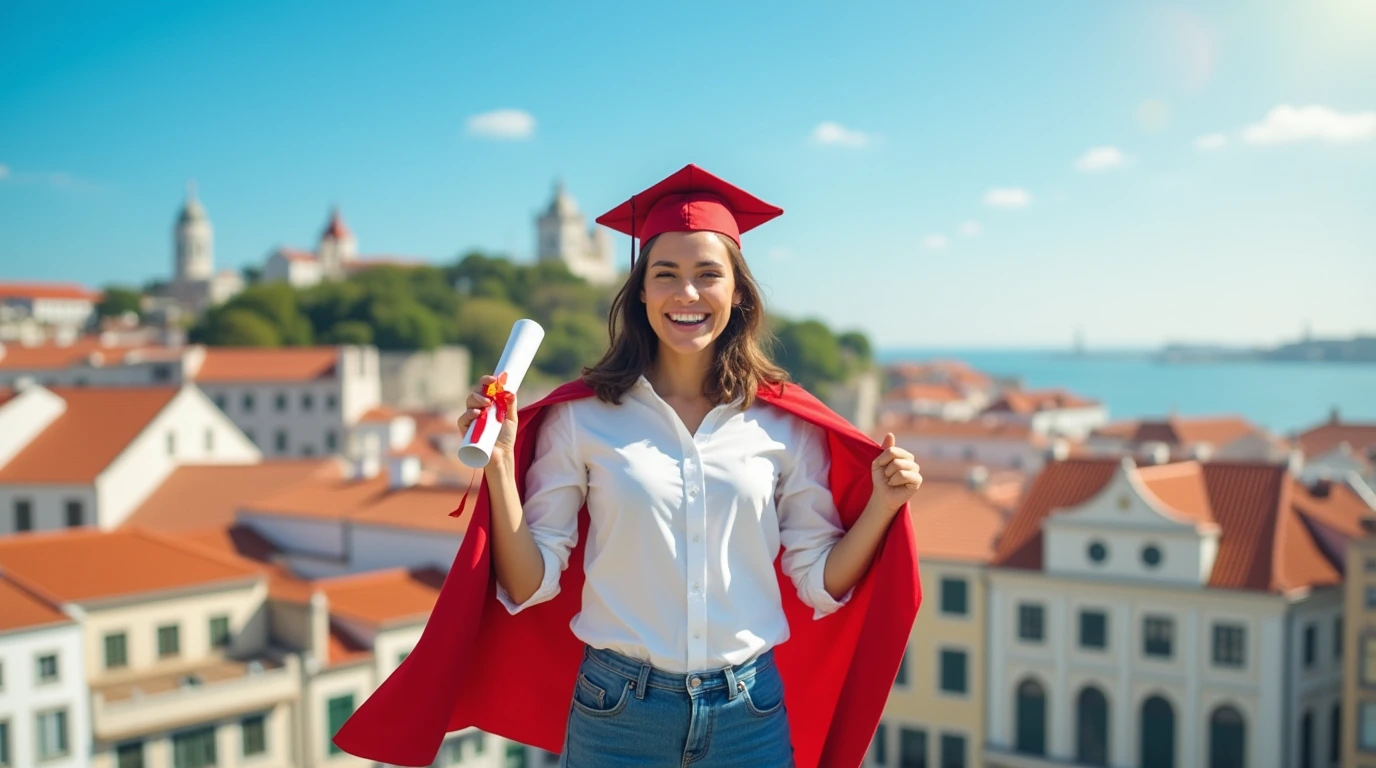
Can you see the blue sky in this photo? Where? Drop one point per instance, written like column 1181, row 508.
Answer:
column 1201, row 171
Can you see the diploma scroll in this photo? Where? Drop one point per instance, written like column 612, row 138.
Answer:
column 521, row 346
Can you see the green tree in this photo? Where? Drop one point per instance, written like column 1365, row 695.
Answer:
column 404, row 324
column 117, row 300
column 237, row 327
column 810, row 353
column 277, row 303
column 350, row 332
column 484, row 326
column 572, row 340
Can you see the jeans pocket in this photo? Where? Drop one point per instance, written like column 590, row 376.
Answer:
column 599, row 693
column 763, row 692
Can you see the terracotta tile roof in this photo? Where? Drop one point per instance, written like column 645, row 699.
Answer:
column 1181, row 487
column 207, row 496
column 47, row 291
column 953, row 522
column 953, row 371
column 380, row 598
column 975, row 429
column 336, row 228
column 78, row 565
column 23, row 609
column 225, row 365
column 381, row 413
column 1217, row 431
column 1028, row 402
column 1325, row 438
column 1265, row 543
column 1337, row 506
column 940, row 393
column 293, row 254
column 1118, row 430
column 234, row 541
column 345, row 648
column 87, row 350
column 371, row 501
column 96, row 427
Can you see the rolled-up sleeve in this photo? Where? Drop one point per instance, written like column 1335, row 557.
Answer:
column 556, row 486
column 809, row 524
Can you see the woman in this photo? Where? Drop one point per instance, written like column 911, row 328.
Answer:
column 697, row 467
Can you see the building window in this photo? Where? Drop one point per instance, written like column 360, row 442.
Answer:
column 1370, row 598
column 912, row 748
column 902, row 677
column 1158, row 635
column 116, row 651
column 1311, row 644
column 129, row 755
column 1368, row 661
column 219, row 632
column 5, row 743
column 1371, row 565
column 1157, row 734
column 1093, row 630
column 1227, row 739
column 1151, row 556
column 221, row 401
column 1307, row 740
column 338, row 710
column 879, row 748
column 1229, row 642
column 1366, row 726
column 47, row 668
column 331, row 441
column 209, row 440
column 1091, row 727
column 247, row 402
column 1031, row 622
column 307, row 401
column 1335, row 734
column 52, row 734
column 76, row 516
column 953, row 670
column 281, row 402
column 194, row 749
column 162, row 373
column 1098, row 552
column 255, row 735
column 515, row 756
column 169, row 641
column 280, row 441
column 1031, row 718
column 952, row 751
column 23, row 515
column 953, row 597
column 331, row 402
column 171, row 443
column 1338, row 638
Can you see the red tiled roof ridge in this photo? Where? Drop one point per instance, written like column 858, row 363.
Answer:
column 37, row 592
column 196, row 548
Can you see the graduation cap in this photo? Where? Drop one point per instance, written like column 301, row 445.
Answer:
column 689, row 200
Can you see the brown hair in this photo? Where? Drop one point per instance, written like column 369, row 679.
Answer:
column 740, row 361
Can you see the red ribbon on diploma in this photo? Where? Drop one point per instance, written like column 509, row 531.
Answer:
column 503, row 400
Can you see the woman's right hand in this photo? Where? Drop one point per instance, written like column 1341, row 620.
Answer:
column 476, row 403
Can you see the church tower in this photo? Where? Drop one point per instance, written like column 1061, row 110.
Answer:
column 562, row 235
column 337, row 247
column 194, row 241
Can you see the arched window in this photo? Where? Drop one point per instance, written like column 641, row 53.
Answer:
column 1158, row 733
column 1227, row 739
column 1091, row 727
column 1031, row 717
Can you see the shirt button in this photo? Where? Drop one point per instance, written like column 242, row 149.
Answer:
column 697, row 587
column 692, row 493
column 697, row 537
column 697, row 635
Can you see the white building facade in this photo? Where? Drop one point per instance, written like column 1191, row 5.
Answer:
column 562, row 234
column 44, row 701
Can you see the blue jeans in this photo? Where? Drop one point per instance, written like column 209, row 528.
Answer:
column 628, row 713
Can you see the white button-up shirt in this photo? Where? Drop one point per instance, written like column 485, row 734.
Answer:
column 684, row 528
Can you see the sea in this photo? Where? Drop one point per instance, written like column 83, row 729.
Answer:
column 1284, row 397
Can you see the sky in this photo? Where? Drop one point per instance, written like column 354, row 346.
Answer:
column 976, row 174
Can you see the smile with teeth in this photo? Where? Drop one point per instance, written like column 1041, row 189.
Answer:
column 686, row 319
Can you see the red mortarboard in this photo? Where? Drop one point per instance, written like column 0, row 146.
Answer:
column 689, row 200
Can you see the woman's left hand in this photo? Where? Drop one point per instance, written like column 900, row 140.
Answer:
column 896, row 476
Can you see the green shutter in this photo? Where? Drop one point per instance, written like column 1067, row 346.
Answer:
column 339, row 709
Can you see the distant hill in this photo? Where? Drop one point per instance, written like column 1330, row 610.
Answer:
column 1358, row 349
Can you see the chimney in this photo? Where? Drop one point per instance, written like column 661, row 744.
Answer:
column 977, row 478
column 367, row 467
column 403, row 471
column 1154, row 453
column 1333, row 416
column 1202, row 451
column 1059, row 450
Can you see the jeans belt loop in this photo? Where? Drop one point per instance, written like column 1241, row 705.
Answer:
column 640, row 683
column 731, row 684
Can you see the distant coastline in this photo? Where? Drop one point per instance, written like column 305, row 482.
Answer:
column 1358, row 349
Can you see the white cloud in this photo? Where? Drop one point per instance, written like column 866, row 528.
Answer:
column 502, row 124
column 839, row 135
column 934, row 242
column 1097, row 159
column 1210, row 142
column 1008, row 197
column 1285, row 124
column 4, row 171
column 970, row 228
column 780, row 254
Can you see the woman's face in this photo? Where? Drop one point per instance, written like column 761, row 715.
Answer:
column 689, row 290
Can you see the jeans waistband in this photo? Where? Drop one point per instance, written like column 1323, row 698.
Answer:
column 633, row 669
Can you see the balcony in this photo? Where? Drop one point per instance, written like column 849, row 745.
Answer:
column 206, row 693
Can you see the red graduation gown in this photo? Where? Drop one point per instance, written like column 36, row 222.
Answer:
column 513, row 676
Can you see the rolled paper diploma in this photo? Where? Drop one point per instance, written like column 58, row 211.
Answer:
column 521, row 346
